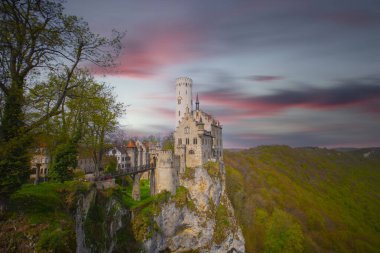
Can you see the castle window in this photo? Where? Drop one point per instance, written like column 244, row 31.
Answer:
column 195, row 141
column 179, row 141
column 187, row 141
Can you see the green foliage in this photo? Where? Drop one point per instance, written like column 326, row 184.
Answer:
column 182, row 199
column 14, row 165
column 94, row 227
column 168, row 142
column 37, row 42
column 283, row 234
column 331, row 195
column 189, row 173
column 222, row 224
column 56, row 240
column 45, row 210
column 64, row 162
column 212, row 169
column 143, row 223
column 79, row 174
column 111, row 166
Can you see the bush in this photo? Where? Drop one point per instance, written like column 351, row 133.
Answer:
column 189, row 173
column 212, row 169
column 181, row 198
column 222, row 224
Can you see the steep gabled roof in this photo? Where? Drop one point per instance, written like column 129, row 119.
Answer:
column 131, row 144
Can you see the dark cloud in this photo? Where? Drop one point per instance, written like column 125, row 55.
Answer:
column 354, row 18
column 262, row 78
column 352, row 93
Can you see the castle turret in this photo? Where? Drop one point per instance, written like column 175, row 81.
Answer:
column 184, row 96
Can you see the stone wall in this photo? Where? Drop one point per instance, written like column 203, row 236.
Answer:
column 166, row 174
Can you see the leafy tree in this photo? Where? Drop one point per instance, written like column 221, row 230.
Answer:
column 111, row 166
column 100, row 118
column 65, row 159
column 38, row 42
column 168, row 142
column 283, row 234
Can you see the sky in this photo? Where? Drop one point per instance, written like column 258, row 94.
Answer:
column 293, row 72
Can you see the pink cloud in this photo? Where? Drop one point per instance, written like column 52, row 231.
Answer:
column 165, row 113
column 155, row 48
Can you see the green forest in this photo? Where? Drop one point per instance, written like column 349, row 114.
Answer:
column 306, row 199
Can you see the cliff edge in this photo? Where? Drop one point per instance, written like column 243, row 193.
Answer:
column 198, row 217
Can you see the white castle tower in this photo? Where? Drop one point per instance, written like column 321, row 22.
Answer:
column 184, row 96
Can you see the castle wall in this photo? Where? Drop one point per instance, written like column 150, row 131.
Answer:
column 166, row 174
column 188, row 136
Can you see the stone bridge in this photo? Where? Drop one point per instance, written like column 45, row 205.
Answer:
column 135, row 173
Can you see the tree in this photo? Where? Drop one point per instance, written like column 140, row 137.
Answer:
column 37, row 43
column 168, row 142
column 111, row 165
column 283, row 234
column 65, row 160
column 100, row 117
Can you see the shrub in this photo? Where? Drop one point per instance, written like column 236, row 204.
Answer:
column 222, row 224
column 212, row 169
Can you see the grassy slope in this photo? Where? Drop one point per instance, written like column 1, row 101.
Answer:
column 40, row 218
column 305, row 200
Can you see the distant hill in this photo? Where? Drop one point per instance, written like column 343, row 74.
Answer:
column 306, row 199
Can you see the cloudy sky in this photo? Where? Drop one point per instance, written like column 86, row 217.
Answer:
column 295, row 72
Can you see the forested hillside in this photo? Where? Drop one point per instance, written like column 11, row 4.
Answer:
column 306, row 199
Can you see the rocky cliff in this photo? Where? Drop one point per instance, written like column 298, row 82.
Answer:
column 198, row 217
column 75, row 216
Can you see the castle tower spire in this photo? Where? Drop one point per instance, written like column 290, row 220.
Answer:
column 197, row 103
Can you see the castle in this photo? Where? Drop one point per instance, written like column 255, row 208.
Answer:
column 197, row 140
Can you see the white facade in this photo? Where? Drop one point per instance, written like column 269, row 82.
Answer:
column 198, row 135
column 184, row 97
column 121, row 157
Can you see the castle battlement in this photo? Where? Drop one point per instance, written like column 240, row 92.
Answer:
column 165, row 152
column 184, row 81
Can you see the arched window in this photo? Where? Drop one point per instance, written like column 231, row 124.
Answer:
column 179, row 101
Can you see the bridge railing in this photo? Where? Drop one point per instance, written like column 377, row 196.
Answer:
column 124, row 172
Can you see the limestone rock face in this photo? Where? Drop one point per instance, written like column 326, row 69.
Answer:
column 205, row 223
